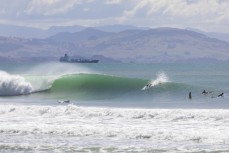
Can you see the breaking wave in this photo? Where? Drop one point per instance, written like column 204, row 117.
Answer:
column 85, row 86
column 13, row 85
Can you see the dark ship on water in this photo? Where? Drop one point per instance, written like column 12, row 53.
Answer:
column 67, row 59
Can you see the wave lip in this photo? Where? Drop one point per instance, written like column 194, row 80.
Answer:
column 11, row 85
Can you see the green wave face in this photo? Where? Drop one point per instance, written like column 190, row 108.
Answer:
column 94, row 86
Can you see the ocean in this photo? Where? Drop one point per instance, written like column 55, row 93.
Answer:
column 67, row 107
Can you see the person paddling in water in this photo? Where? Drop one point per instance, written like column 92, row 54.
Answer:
column 204, row 92
column 220, row 95
column 190, row 95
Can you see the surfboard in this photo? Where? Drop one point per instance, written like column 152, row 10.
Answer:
column 63, row 101
column 146, row 87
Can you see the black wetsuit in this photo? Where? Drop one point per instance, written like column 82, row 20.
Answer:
column 190, row 95
column 221, row 95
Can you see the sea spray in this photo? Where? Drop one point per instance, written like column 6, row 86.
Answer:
column 44, row 75
column 41, row 83
column 161, row 78
column 13, row 85
column 58, row 69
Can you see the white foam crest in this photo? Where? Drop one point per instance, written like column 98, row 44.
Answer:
column 161, row 78
column 13, row 85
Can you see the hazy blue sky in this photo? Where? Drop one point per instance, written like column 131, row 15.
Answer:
column 209, row 15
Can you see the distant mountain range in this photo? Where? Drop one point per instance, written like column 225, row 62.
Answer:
column 29, row 32
column 133, row 45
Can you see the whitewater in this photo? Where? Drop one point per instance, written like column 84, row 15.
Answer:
column 110, row 109
column 89, row 129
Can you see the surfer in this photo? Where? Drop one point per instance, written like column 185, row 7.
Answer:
column 146, row 87
column 204, row 92
column 220, row 95
column 190, row 95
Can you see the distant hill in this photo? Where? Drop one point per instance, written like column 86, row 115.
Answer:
column 221, row 36
column 119, row 28
column 153, row 45
column 86, row 34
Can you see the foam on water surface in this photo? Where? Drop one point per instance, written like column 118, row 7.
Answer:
column 171, row 130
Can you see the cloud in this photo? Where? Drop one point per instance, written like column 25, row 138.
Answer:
column 181, row 12
column 205, row 14
column 2, row 11
column 51, row 7
column 179, row 8
column 113, row 1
